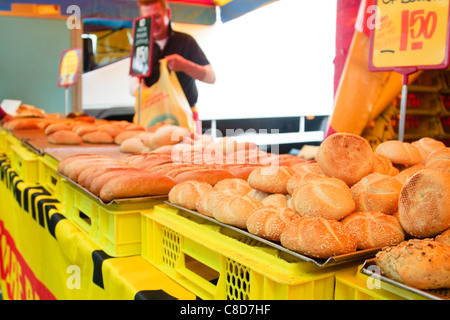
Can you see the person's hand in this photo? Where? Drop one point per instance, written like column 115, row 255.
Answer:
column 175, row 62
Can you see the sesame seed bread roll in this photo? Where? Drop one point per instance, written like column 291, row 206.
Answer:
column 419, row 263
column 207, row 202
column 383, row 165
column 270, row 179
column 235, row 210
column 439, row 160
column 276, row 200
column 444, row 237
column 374, row 229
column 426, row 145
column 211, row 176
column 400, row 153
column 345, row 156
column 233, row 186
column 407, row 173
column 328, row 198
column 186, row 194
column 318, row 237
column 423, row 206
column 377, row 192
column 300, row 178
column 309, row 166
column 269, row 222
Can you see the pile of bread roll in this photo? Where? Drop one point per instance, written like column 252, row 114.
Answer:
column 349, row 198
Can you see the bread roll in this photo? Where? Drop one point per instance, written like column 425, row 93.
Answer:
column 53, row 127
column 439, row 160
column 125, row 135
column 383, row 165
column 400, row 153
column 135, row 184
column 270, row 179
column 235, row 210
column 423, row 207
column 233, row 186
column 377, row 192
column 167, row 135
column 64, row 137
column 328, row 198
column 133, row 145
column 318, row 237
column 269, row 222
column 186, row 193
column 419, row 263
column 345, row 156
column 207, row 202
column 444, row 237
column 258, row 194
column 211, row 176
column 426, row 145
column 98, row 137
column 407, row 173
column 300, row 179
column 83, row 128
column 374, row 229
column 276, row 200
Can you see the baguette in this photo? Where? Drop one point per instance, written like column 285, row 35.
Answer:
column 64, row 137
column 68, row 164
column 269, row 222
column 345, row 156
column 374, row 229
column 99, row 180
column 186, row 193
column 211, row 176
column 135, row 184
column 98, row 137
column 53, row 127
column 318, row 237
column 86, row 176
column 420, row 263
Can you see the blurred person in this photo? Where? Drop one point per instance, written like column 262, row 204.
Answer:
column 4, row 117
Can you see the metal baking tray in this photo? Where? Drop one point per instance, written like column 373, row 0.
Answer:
column 120, row 201
column 438, row 294
column 359, row 255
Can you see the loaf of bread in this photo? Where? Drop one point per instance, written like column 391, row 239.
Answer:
column 53, row 127
column 22, row 124
column 400, row 153
column 328, row 198
column 64, row 137
column 64, row 166
column 135, row 184
column 186, row 194
column 444, row 237
column 270, row 179
column 374, row 229
column 233, row 186
column 211, row 176
column 241, row 171
column 277, row 200
column 345, row 156
column 74, row 172
column 376, row 192
column 423, row 207
column 419, row 263
column 96, row 184
column 88, row 174
column 439, row 160
column 383, row 165
column 98, row 137
column 318, row 237
column 121, row 137
column 407, row 173
column 167, row 135
column 83, row 128
column 269, row 222
column 133, row 145
column 235, row 210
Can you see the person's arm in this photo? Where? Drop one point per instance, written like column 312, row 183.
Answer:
column 204, row 73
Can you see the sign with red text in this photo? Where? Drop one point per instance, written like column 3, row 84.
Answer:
column 409, row 34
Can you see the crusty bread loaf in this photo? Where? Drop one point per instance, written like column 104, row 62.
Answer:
column 167, row 135
column 112, row 129
column 121, row 137
column 301, row 178
column 82, row 128
column 444, row 237
column 329, row 198
column 74, row 172
column 186, row 193
column 383, row 165
column 235, row 210
column 277, row 200
column 439, row 160
column 241, row 171
column 269, row 222
column 258, row 194
column 426, row 145
column 64, row 137
column 400, row 153
column 22, row 124
column 377, row 192
column 374, row 229
column 135, row 184
column 97, row 183
column 270, row 179
column 68, row 164
column 419, row 263
column 407, row 173
column 89, row 173
column 233, row 186
column 53, row 127
column 345, row 156
column 133, row 145
column 318, row 237
column 211, row 176
column 310, row 166
column 98, row 137
column 423, row 207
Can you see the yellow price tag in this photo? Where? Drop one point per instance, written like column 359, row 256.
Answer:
column 69, row 66
column 410, row 33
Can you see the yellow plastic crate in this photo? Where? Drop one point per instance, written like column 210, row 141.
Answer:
column 219, row 263
column 354, row 285
column 3, row 142
column 24, row 162
column 48, row 176
column 114, row 227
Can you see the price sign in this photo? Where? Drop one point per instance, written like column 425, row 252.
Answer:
column 142, row 47
column 69, row 67
column 410, row 34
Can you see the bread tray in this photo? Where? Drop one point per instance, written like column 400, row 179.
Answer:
column 120, row 201
column 359, row 255
column 370, row 268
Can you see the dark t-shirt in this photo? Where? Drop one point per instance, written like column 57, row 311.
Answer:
column 186, row 46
